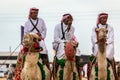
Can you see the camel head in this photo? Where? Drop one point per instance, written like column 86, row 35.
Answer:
column 101, row 38
column 31, row 41
column 70, row 50
column 101, row 34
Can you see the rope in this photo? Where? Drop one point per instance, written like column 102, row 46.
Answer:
column 10, row 55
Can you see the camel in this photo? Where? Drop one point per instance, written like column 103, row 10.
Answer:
column 68, row 70
column 29, row 63
column 118, row 71
column 100, row 69
column 31, row 70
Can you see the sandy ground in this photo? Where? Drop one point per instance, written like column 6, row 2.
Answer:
column 3, row 79
column 84, row 79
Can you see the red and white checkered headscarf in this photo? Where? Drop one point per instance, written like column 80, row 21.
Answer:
column 65, row 16
column 101, row 15
column 33, row 9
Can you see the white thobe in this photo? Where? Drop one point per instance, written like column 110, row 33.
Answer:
column 42, row 29
column 78, row 53
column 58, row 35
column 110, row 41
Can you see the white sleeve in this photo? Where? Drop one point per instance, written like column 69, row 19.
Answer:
column 93, row 37
column 110, row 36
column 26, row 28
column 73, row 31
column 44, row 29
column 57, row 34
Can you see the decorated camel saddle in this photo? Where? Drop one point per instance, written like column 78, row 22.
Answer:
column 100, row 68
column 66, row 68
column 29, row 64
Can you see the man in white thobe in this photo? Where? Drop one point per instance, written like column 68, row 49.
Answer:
column 102, row 22
column 37, row 25
column 63, row 32
column 102, row 19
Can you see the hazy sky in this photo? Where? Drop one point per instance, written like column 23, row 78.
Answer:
column 14, row 13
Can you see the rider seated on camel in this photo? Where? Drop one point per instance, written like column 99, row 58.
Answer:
column 37, row 25
column 102, row 22
column 31, row 47
column 34, row 27
column 63, row 33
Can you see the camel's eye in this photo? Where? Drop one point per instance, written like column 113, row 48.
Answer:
column 64, row 46
column 106, row 31
column 34, row 39
column 74, row 47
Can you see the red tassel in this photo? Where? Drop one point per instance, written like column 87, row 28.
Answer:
column 36, row 45
column 25, row 49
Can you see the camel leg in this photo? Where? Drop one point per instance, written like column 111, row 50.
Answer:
column 67, row 71
column 47, row 73
column 76, row 71
column 111, row 73
column 57, row 74
column 39, row 76
column 92, row 74
column 114, row 69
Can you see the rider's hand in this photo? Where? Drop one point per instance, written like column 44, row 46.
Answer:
column 40, row 36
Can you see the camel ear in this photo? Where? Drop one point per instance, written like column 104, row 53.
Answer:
column 64, row 46
column 75, row 44
column 96, row 29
